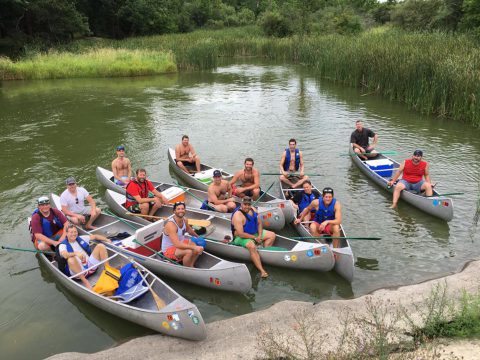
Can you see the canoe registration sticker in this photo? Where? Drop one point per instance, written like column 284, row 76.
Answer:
column 195, row 320
column 286, row 257
column 324, row 249
column 166, row 325
column 215, row 281
column 190, row 313
column 435, row 202
column 294, row 257
column 309, row 253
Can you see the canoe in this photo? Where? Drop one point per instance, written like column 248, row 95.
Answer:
column 436, row 205
column 343, row 255
column 272, row 217
column 176, row 317
column 294, row 255
column 201, row 181
column 210, row 271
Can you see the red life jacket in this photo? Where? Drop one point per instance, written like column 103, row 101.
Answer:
column 414, row 173
column 142, row 190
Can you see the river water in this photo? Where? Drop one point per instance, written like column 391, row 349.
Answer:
column 53, row 129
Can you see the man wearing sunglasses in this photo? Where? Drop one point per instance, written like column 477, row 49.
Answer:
column 121, row 167
column 73, row 200
column 327, row 218
column 48, row 225
column 141, row 195
column 248, row 232
column 174, row 244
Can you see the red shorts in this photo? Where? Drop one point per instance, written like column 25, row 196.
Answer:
column 170, row 252
column 327, row 230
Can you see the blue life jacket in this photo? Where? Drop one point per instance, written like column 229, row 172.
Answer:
column 205, row 205
column 325, row 213
column 305, row 201
column 129, row 277
column 286, row 164
column 251, row 225
column 84, row 245
column 46, row 225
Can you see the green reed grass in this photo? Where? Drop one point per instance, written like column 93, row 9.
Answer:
column 433, row 73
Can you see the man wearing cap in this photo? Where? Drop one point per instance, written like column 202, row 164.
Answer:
column 248, row 232
column 185, row 155
column 415, row 178
column 174, row 244
column 48, row 225
column 121, row 167
column 249, row 179
column 218, row 192
column 72, row 201
column 141, row 195
column 360, row 142
column 327, row 216
column 291, row 166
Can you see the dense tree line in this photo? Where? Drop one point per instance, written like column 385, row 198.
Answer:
column 55, row 21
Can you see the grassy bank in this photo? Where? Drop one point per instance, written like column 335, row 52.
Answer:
column 432, row 73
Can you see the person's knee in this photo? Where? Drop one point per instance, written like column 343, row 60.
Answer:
column 305, row 177
column 251, row 246
column 75, row 220
column 256, row 192
column 179, row 163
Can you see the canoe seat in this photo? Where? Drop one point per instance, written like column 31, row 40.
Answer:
column 131, row 294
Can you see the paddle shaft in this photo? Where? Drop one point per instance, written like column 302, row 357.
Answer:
column 378, row 153
column 192, row 222
column 447, row 194
column 272, row 248
column 264, row 193
column 120, row 219
column 292, row 174
column 334, row 237
column 28, row 250
column 196, row 197
column 160, row 303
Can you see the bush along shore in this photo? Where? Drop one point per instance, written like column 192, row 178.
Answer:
column 433, row 73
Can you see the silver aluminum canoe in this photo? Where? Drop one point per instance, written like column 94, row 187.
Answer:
column 438, row 206
column 267, row 200
column 343, row 255
column 210, row 271
column 295, row 255
column 272, row 217
column 178, row 317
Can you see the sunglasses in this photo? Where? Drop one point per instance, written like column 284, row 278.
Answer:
column 44, row 203
column 76, row 200
column 71, row 184
column 327, row 191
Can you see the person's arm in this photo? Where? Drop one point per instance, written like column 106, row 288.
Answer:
column 67, row 212
column 235, row 177
column 65, row 254
column 338, row 215
column 397, row 174
column 282, row 162
column 177, row 153
column 171, row 231
column 192, row 151
column 129, row 167
column 302, row 170
column 306, row 211
column 427, row 174
column 100, row 238
column 375, row 140
column 115, row 170
column 92, row 204
column 238, row 226
column 159, row 195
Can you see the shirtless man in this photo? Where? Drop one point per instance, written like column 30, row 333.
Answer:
column 291, row 165
column 249, row 178
column 121, row 167
column 185, row 153
column 218, row 194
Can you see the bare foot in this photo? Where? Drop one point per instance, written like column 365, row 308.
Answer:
column 90, row 227
column 393, row 206
column 264, row 275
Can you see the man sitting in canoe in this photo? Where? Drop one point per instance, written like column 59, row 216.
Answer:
column 185, row 154
column 291, row 166
column 73, row 205
column 360, row 141
column 416, row 177
column 301, row 199
column 79, row 255
column 327, row 218
column 246, row 229
column 121, row 167
column 218, row 192
column 138, row 192
column 249, row 178
column 48, row 225
column 174, row 244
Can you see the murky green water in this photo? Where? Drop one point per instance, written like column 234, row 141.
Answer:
column 53, row 129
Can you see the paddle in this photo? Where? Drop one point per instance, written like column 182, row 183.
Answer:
column 256, row 201
column 159, row 302
column 155, row 252
column 191, row 222
column 271, row 248
column 379, row 153
column 334, row 237
column 196, row 197
column 28, row 250
column 293, row 174
column 447, row 194
column 120, row 219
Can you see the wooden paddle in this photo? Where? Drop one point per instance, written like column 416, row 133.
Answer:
column 155, row 252
column 192, row 222
column 379, row 153
column 160, row 303
column 334, row 237
column 28, row 250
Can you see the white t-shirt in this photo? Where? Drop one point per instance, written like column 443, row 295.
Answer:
column 76, row 247
column 70, row 201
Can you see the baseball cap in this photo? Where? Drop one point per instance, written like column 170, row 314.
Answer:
column 247, row 200
column 70, row 180
column 418, row 152
column 120, row 147
column 43, row 200
column 217, row 173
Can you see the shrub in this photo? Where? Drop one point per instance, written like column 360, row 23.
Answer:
column 274, row 24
